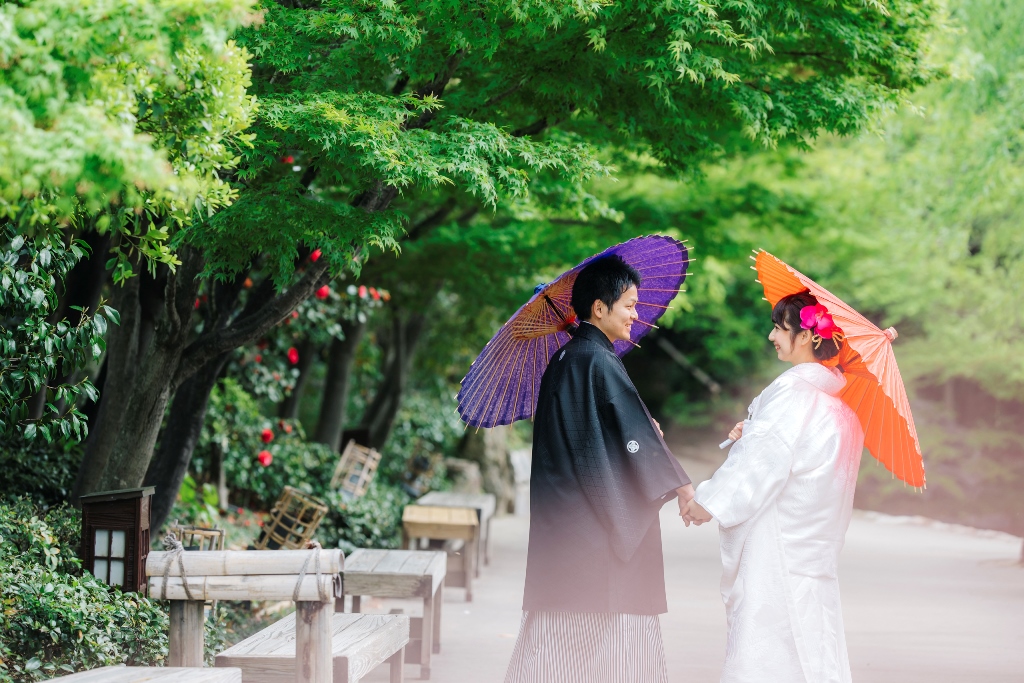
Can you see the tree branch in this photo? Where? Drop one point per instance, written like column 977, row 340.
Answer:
column 249, row 327
column 435, row 219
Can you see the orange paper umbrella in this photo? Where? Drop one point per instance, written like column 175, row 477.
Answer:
column 874, row 388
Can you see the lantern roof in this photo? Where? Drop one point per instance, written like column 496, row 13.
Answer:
column 120, row 494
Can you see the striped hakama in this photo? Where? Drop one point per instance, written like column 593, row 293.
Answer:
column 583, row 647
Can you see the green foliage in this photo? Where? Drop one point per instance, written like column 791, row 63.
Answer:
column 42, row 472
column 34, row 348
column 120, row 116
column 234, row 431
column 373, row 521
column 55, row 619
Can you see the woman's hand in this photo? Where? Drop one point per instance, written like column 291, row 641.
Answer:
column 736, row 432
column 697, row 514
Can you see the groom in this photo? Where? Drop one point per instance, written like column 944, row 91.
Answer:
column 595, row 581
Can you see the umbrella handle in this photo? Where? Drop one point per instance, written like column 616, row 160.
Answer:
column 725, row 444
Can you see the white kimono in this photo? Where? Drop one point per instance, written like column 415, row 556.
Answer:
column 783, row 501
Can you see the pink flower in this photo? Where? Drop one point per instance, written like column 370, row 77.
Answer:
column 315, row 255
column 323, row 292
column 375, row 294
column 293, row 355
column 818, row 320
column 287, row 159
column 265, row 458
column 362, row 291
column 267, row 435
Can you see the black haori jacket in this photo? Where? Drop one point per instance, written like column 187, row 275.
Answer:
column 601, row 473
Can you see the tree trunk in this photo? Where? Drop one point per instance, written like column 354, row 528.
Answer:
column 380, row 415
column 121, row 367
column 334, row 401
column 289, row 407
column 184, row 426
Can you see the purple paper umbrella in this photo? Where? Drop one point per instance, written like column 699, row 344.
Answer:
column 503, row 383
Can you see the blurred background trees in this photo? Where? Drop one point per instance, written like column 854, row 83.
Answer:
column 250, row 232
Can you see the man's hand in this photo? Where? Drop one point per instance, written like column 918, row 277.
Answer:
column 657, row 426
column 684, row 494
column 697, row 514
column 736, row 432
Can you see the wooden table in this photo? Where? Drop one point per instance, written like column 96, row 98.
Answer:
column 402, row 574
column 162, row 674
column 359, row 643
column 483, row 503
column 444, row 523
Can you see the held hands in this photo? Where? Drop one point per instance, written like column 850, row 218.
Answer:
column 684, row 495
column 695, row 513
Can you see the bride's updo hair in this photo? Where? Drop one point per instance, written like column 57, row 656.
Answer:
column 786, row 314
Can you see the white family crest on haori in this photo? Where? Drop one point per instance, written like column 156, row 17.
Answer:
column 783, row 501
column 632, row 446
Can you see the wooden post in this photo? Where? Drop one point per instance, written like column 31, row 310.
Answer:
column 438, row 602
column 397, row 662
column 427, row 635
column 314, row 660
column 469, row 552
column 186, row 633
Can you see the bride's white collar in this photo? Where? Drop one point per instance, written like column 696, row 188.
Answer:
column 829, row 380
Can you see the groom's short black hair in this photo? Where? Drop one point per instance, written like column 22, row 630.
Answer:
column 606, row 279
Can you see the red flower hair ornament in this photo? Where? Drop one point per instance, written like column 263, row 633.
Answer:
column 818, row 320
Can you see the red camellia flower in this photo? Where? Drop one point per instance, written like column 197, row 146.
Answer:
column 315, row 255
column 323, row 292
column 258, row 358
column 293, row 355
column 265, row 458
column 267, row 435
column 375, row 294
column 287, row 428
column 288, row 159
column 295, row 314
column 197, row 304
column 362, row 291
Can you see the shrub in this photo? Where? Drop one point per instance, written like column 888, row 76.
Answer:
column 55, row 618
column 43, row 471
column 373, row 521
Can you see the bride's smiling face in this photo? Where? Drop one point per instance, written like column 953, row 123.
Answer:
column 792, row 348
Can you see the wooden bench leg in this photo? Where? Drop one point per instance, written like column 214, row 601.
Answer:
column 427, row 641
column 314, row 660
column 186, row 633
column 469, row 564
column 397, row 662
column 438, row 605
column 357, row 603
column 487, row 543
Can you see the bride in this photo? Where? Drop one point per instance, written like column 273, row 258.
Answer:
column 783, row 501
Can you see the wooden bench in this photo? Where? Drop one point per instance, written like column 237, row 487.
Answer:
column 445, row 523
column 483, row 503
column 359, row 643
column 144, row 674
column 416, row 574
column 312, row 578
